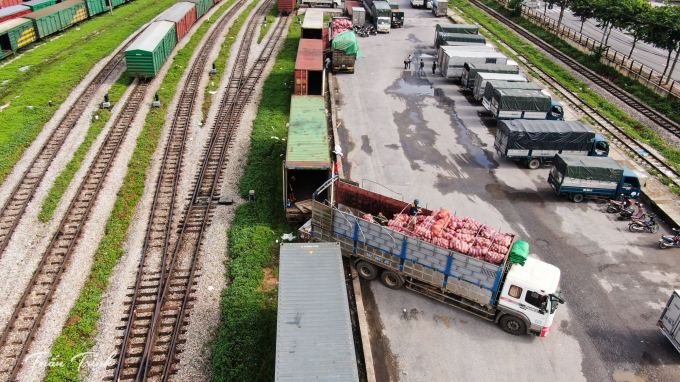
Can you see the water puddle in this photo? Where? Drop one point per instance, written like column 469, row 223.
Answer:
column 627, row 376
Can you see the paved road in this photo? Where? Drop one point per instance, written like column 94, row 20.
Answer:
column 425, row 138
column 644, row 53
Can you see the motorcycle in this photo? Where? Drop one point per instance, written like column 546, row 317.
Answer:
column 618, row 205
column 642, row 225
column 670, row 241
column 629, row 213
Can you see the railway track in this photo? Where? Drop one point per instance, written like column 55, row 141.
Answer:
column 160, row 300
column 661, row 120
column 23, row 192
column 21, row 328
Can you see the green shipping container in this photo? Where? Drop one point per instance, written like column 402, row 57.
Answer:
column 202, row 6
column 15, row 34
column 115, row 3
column 58, row 17
column 95, row 7
column 443, row 37
column 148, row 52
column 308, row 134
column 36, row 5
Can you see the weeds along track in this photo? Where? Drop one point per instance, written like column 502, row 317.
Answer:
column 23, row 192
column 161, row 297
column 659, row 119
column 21, row 328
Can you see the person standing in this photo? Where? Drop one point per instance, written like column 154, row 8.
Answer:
column 434, row 67
column 413, row 213
column 408, row 60
column 406, row 64
column 328, row 63
column 422, row 68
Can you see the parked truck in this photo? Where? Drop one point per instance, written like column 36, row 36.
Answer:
column 537, row 142
column 397, row 18
column 492, row 85
column 669, row 323
column 357, row 15
column 481, row 78
column 381, row 13
column 523, row 299
column 578, row 176
column 470, row 72
column 440, row 7
column 443, row 37
column 524, row 104
column 454, row 60
column 314, row 3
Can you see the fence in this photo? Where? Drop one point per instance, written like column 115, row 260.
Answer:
column 624, row 64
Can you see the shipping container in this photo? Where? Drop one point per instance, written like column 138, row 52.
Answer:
column 36, row 5
column 442, row 37
column 482, row 78
column 358, row 16
column 497, row 84
column 13, row 12
column 309, row 68
column 202, row 7
column 312, row 25
column 183, row 14
column 115, row 3
column 148, row 52
column 287, row 6
column 308, row 160
column 351, row 4
column 9, row 3
column 470, row 72
column 452, row 65
column 15, row 34
column 441, row 52
column 314, row 336
column 58, row 17
column 95, row 7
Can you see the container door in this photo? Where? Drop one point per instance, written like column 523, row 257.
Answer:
column 301, row 82
column 671, row 316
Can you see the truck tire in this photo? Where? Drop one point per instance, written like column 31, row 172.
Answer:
column 577, row 198
column 513, row 325
column 391, row 279
column 366, row 270
column 534, row 163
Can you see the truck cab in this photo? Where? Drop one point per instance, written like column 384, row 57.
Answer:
column 417, row 3
column 439, row 7
column 529, row 298
column 556, row 112
column 630, row 184
column 382, row 24
column 600, row 148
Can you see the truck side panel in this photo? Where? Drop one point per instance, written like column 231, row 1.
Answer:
column 669, row 323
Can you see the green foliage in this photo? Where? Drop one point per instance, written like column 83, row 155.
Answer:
column 78, row 334
column 652, row 172
column 244, row 349
column 19, row 124
column 665, row 180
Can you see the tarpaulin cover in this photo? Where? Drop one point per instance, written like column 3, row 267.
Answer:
column 463, row 37
column 493, row 85
column 524, row 100
column 519, row 253
column 590, row 168
column 458, row 28
column 347, row 42
column 547, row 135
column 473, row 69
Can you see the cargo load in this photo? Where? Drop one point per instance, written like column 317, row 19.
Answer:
column 443, row 37
column 481, row 79
column 455, row 59
column 147, row 54
column 470, row 72
column 492, row 85
column 441, row 56
column 524, row 104
column 345, row 51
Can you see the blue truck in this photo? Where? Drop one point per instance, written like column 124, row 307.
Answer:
column 524, row 104
column 578, row 176
column 537, row 141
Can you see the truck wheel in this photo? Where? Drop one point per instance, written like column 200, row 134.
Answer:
column 577, row 198
column 513, row 325
column 367, row 271
column 391, row 279
column 534, row 163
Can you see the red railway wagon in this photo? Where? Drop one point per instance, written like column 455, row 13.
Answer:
column 9, row 3
column 286, row 6
column 309, row 78
column 12, row 12
column 183, row 14
column 351, row 4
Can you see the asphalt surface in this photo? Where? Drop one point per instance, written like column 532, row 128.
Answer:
column 423, row 137
column 647, row 54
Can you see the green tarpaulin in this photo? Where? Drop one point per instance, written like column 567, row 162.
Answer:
column 524, row 100
column 591, row 168
column 347, row 42
column 519, row 253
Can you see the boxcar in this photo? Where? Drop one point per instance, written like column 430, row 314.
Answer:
column 183, row 14
column 58, row 17
column 36, row 5
column 146, row 55
column 287, row 6
column 309, row 79
column 13, row 12
column 9, row 3
column 312, row 26
column 15, row 34
column 202, row 7
column 95, row 7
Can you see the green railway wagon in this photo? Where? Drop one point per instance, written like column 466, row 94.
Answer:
column 115, row 3
column 58, row 17
column 146, row 55
column 95, row 7
column 37, row 5
column 15, row 34
column 202, row 6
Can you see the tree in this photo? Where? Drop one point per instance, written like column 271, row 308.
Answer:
column 634, row 22
column 563, row 4
column 663, row 31
column 583, row 9
column 516, row 7
column 608, row 14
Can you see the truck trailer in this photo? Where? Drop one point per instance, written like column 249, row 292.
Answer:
column 382, row 16
column 454, row 60
column 537, row 142
column 492, row 85
column 669, row 323
column 470, row 72
column 443, row 37
column 443, row 49
column 578, row 176
column 522, row 299
column 481, row 78
column 524, row 104
column 440, row 7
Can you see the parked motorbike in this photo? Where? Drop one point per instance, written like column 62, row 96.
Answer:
column 629, row 212
column 670, row 241
column 618, row 205
column 643, row 225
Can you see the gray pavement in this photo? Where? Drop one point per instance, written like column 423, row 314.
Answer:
column 425, row 138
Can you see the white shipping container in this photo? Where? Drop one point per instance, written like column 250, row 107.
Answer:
column 453, row 61
column 358, row 16
column 465, row 48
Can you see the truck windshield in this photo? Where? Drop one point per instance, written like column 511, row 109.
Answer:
column 556, row 174
column 383, row 21
column 555, row 300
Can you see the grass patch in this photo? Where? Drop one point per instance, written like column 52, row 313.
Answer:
column 620, row 118
column 271, row 17
column 244, row 348
column 78, row 334
column 221, row 62
column 64, row 179
column 19, row 124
